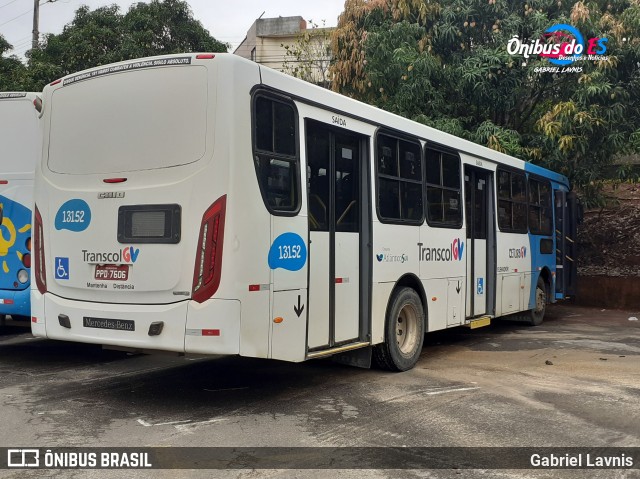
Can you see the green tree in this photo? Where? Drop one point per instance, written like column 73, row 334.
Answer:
column 162, row 27
column 13, row 73
column 446, row 64
column 104, row 36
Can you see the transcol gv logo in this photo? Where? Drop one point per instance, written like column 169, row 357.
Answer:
column 562, row 45
column 126, row 255
column 452, row 253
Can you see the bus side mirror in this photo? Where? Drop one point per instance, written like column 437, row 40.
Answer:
column 37, row 103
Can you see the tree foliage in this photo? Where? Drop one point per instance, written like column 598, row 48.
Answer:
column 309, row 56
column 101, row 36
column 13, row 73
column 446, row 64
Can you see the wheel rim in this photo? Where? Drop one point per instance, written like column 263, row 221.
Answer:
column 540, row 300
column 407, row 330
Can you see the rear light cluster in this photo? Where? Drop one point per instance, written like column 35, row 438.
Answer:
column 208, row 265
column 22, row 275
column 26, row 258
column 39, row 266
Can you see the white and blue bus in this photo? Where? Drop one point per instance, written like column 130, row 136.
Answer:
column 202, row 203
column 20, row 146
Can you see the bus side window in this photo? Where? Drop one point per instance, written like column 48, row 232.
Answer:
column 399, row 168
column 443, row 189
column 512, row 201
column 276, row 154
column 540, row 213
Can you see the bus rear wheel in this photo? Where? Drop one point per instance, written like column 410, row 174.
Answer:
column 404, row 332
column 536, row 315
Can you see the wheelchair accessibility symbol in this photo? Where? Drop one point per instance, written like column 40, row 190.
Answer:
column 62, row 268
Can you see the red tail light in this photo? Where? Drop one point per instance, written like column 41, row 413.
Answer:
column 208, row 266
column 39, row 263
column 26, row 260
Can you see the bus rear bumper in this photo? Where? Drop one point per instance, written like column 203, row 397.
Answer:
column 15, row 302
column 109, row 324
column 185, row 327
column 213, row 327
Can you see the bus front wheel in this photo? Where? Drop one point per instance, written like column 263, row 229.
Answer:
column 404, row 332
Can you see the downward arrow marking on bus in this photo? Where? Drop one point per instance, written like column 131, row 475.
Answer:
column 458, row 288
column 298, row 309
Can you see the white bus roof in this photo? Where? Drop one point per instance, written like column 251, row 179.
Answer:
column 309, row 93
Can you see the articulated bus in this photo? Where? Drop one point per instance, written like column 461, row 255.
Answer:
column 20, row 145
column 204, row 204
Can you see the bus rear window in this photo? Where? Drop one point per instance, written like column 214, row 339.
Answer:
column 19, row 137
column 139, row 120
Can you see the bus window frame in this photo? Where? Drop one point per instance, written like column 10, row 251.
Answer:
column 294, row 160
column 508, row 169
column 381, row 130
column 547, row 181
column 449, row 151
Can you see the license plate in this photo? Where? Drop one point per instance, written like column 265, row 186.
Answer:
column 106, row 323
column 112, row 272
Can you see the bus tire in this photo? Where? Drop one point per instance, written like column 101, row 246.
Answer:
column 536, row 315
column 404, row 332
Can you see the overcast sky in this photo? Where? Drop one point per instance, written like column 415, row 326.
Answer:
column 226, row 20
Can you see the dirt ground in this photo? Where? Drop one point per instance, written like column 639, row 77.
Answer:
column 570, row 382
column 609, row 238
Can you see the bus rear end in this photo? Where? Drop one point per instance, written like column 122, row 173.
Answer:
column 21, row 143
column 130, row 209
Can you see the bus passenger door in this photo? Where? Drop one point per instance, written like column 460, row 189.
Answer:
column 338, row 267
column 566, row 220
column 481, row 272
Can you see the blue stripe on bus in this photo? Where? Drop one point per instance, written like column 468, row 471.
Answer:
column 543, row 172
column 541, row 261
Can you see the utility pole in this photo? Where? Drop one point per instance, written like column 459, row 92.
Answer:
column 36, row 19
